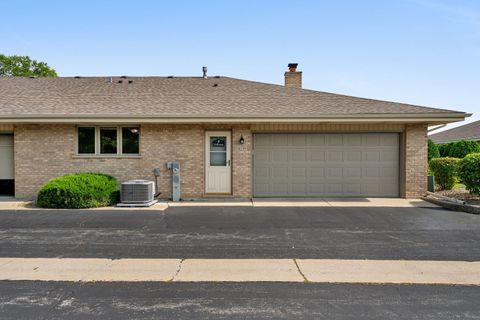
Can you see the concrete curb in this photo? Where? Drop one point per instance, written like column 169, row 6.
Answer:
column 452, row 204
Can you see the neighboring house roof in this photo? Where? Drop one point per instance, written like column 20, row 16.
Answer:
column 469, row 131
column 192, row 99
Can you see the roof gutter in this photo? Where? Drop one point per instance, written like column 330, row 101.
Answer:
column 433, row 118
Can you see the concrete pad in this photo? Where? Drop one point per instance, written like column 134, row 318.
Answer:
column 159, row 206
column 391, row 271
column 29, row 205
column 290, row 203
column 85, row 269
column 11, row 204
column 342, row 202
column 210, row 204
column 239, row 270
column 377, row 202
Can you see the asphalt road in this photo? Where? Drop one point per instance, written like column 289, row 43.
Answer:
column 244, row 232
column 63, row 300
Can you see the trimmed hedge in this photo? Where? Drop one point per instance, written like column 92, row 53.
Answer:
column 432, row 150
column 445, row 171
column 79, row 190
column 469, row 172
column 459, row 149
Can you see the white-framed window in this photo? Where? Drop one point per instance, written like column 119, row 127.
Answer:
column 108, row 140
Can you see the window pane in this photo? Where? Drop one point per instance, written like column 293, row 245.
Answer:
column 218, row 158
column 108, row 140
column 86, row 140
column 218, row 151
column 218, row 143
column 130, row 143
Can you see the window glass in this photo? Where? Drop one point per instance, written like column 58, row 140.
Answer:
column 108, row 140
column 86, row 140
column 130, row 140
column 218, row 151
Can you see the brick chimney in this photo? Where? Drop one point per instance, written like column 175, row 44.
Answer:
column 293, row 78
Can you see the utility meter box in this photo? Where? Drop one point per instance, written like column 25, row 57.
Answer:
column 174, row 167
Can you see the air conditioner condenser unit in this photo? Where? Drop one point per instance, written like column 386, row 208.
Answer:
column 137, row 193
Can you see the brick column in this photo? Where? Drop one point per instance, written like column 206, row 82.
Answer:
column 416, row 160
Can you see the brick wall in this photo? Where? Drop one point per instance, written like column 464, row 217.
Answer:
column 46, row 151
column 416, row 158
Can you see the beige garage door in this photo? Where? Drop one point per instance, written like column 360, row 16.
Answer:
column 326, row 165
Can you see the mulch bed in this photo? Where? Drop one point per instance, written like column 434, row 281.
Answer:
column 461, row 194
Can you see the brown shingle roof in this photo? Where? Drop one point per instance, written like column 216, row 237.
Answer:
column 469, row 131
column 183, row 97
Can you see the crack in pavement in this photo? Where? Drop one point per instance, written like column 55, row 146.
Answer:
column 178, row 270
column 305, row 279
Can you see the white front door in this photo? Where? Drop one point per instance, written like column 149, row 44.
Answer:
column 218, row 172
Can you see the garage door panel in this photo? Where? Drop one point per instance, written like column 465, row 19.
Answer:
column 298, row 155
column 263, row 156
column 298, row 140
column 280, row 173
column 335, row 156
column 317, row 172
column 315, row 189
column 298, row 189
column 334, row 139
column 331, row 165
column 262, row 172
column 334, row 173
column 371, row 156
column 316, row 140
column 317, row 155
column 263, row 140
column 299, row 172
column 390, row 173
column 352, row 172
column 280, row 188
column 352, row 189
column 280, row 140
column 353, row 140
column 389, row 156
column 353, row 156
column 389, row 140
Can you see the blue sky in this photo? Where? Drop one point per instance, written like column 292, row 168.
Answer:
column 424, row 52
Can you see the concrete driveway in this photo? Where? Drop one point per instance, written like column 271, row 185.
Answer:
column 335, row 231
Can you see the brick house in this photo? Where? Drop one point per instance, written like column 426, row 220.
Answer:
column 232, row 137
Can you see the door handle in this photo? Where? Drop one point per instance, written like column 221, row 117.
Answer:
column 228, row 163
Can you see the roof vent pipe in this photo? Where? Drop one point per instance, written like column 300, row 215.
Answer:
column 110, row 80
column 204, row 69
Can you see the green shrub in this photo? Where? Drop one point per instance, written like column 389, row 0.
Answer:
column 459, row 149
column 443, row 149
column 80, row 190
column 469, row 172
column 445, row 171
column 432, row 150
column 462, row 148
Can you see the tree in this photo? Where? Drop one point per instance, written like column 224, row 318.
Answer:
column 432, row 150
column 462, row 148
column 23, row 66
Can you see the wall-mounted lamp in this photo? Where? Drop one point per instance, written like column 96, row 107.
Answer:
column 242, row 141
